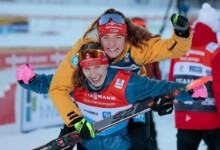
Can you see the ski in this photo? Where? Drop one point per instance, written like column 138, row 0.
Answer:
column 140, row 108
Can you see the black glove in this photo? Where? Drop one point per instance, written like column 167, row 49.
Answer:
column 165, row 109
column 181, row 25
column 160, row 102
column 65, row 130
column 84, row 129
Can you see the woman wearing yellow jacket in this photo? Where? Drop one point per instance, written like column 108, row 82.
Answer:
column 128, row 47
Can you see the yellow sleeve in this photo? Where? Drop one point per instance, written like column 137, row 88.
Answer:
column 61, row 86
column 159, row 50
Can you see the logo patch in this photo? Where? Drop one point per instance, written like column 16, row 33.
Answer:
column 114, row 30
column 119, row 83
column 195, row 69
column 106, row 114
column 127, row 58
column 91, row 112
column 212, row 47
column 140, row 118
column 188, row 118
column 75, row 61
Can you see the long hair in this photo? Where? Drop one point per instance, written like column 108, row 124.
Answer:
column 136, row 34
column 78, row 78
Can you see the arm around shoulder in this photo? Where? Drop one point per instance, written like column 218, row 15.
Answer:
column 61, row 86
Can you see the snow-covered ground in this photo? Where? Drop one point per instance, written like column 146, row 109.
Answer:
column 65, row 33
column 164, row 125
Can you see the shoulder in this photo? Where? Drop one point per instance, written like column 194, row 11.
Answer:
column 136, row 78
column 92, row 31
column 214, row 49
column 111, row 73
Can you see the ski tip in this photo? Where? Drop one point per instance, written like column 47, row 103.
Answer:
column 199, row 82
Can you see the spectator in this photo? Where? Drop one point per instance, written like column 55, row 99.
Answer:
column 200, row 121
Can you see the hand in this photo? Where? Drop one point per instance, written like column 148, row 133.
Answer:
column 199, row 93
column 165, row 109
column 25, row 74
column 160, row 104
column 85, row 129
column 181, row 25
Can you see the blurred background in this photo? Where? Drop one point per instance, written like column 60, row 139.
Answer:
column 41, row 32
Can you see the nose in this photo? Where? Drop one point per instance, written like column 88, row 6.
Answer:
column 112, row 42
column 92, row 74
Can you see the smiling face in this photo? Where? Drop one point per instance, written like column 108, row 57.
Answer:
column 113, row 44
column 96, row 74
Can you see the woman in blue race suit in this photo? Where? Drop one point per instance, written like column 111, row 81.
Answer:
column 97, row 89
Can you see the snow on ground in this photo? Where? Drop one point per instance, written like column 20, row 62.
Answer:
column 164, row 125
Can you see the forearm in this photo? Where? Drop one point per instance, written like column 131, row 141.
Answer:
column 65, row 106
column 185, row 97
column 182, row 45
column 40, row 84
column 174, row 47
column 140, row 88
column 161, row 49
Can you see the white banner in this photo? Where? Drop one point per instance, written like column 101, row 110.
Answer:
column 38, row 110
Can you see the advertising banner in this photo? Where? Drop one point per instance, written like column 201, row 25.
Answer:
column 40, row 58
column 38, row 110
column 13, row 24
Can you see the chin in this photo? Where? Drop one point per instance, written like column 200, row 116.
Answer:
column 113, row 55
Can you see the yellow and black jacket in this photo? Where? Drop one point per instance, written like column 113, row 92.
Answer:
column 156, row 50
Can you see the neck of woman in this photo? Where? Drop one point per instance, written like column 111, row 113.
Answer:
column 92, row 88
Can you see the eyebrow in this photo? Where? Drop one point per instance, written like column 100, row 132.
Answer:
column 119, row 35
